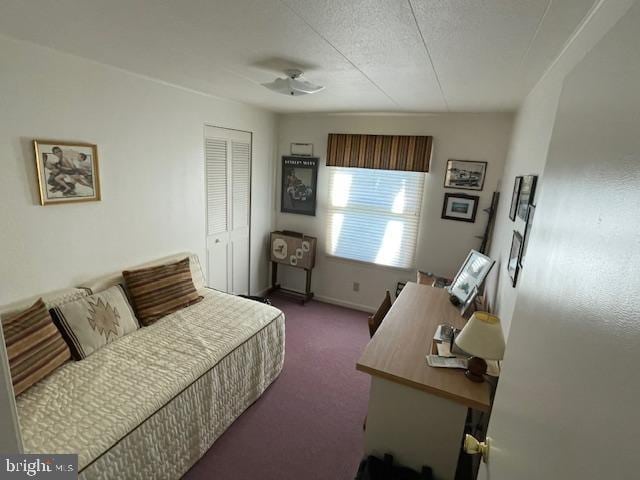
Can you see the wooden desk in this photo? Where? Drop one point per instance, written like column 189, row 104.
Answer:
column 417, row 412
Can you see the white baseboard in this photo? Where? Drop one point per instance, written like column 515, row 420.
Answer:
column 331, row 300
column 344, row 303
column 262, row 292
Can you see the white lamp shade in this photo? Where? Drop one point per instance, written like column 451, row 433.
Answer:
column 482, row 337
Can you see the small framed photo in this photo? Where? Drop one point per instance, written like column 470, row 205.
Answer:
column 67, row 171
column 458, row 206
column 526, row 197
column 299, row 184
column 465, row 175
column 472, row 273
column 527, row 232
column 513, row 266
column 514, row 198
column 302, row 149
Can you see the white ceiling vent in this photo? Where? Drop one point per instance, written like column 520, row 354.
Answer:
column 293, row 85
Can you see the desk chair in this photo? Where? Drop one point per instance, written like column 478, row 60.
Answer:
column 376, row 319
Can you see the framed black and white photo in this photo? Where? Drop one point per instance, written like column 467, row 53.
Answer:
column 67, row 171
column 299, row 185
column 526, row 197
column 461, row 207
column 472, row 273
column 513, row 265
column 465, row 175
column 514, row 198
column 527, row 232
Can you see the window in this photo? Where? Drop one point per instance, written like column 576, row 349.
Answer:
column 374, row 215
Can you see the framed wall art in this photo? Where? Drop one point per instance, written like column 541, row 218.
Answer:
column 299, row 185
column 514, row 198
column 527, row 193
column 461, row 207
column 67, row 171
column 513, row 265
column 465, row 175
column 527, row 232
column 302, row 149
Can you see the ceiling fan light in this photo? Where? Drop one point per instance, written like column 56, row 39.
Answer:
column 304, row 86
column 293, row 86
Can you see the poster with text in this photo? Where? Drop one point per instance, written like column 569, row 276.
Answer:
column 299, row 185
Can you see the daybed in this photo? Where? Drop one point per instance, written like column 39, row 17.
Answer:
column 151, row 403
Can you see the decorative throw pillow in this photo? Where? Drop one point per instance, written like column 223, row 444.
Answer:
column 34, row 346
column 160, row 290
column 92, row 322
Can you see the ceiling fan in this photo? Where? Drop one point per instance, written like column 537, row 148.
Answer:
column 293, row 85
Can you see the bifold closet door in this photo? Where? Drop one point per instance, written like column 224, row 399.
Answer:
column 228, row 184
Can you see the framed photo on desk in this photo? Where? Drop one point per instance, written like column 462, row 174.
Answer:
column 474, row 270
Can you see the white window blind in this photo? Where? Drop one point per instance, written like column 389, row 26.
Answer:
column 374, row 215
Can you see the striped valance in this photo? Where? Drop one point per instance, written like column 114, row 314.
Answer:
column 410, row 153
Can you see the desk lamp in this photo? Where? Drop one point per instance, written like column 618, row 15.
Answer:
column 482, row 338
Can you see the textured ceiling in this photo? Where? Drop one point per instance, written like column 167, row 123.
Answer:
column 372, row 55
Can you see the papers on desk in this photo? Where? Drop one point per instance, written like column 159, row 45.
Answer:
column 493, row 367
column 446, row 362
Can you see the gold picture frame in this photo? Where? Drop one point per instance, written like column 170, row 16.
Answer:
column 68, row 172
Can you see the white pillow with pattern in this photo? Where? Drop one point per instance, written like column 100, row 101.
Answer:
column 92, row 322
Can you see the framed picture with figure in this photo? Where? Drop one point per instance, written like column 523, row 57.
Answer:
column 67, row 171
column 299, row 185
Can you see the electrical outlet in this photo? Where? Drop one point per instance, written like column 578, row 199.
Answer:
column 356, row 286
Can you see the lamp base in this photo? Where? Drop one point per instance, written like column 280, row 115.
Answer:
column 476, row 368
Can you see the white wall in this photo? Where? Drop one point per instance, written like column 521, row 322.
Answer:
column 150, row 146
column 566, row 406
column 443, row 244
column 527, row 156
column 529, row 147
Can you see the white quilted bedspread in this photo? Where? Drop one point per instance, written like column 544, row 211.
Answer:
column 87, row 407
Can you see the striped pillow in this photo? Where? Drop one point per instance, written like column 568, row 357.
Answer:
column 34, row 346
column 159, row 291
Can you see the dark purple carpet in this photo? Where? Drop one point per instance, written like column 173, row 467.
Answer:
column 308, row 424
